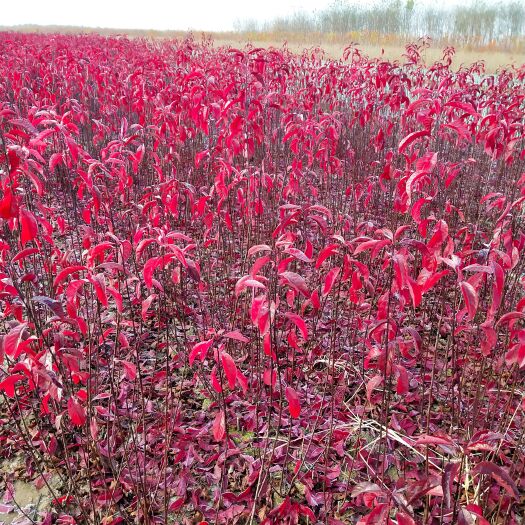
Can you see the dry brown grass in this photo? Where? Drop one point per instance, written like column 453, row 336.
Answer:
column 333, row 45
column 493, row 59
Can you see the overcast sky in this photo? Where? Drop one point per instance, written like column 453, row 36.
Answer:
column 208, row 15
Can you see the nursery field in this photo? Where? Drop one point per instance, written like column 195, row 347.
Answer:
column 247, row 286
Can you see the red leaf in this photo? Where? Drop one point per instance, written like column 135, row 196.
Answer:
column 73, row 148
column 439, row 236
column 28, row 225
column 200, row 350
column 12, row 340
column 267, row 346
column 365, row 487
column 303, row 510
column 219, row 426
column 243, row 381
column 372, row 385
column 376, row 245
column 316, row 303
column 148, row 270
column 299, row 322
column 25, row 253
column 258, row 264
column 54, row 160
column 425, row 439
column 228, row 364
column 500, row 475
column 65, row 272
column 146, row 304
column 379, row 515
column 270, row 377
column 117, row 296
column 516, row 354
column 297, row 282
column 237, row 336
column 200, row 156
column 416, row 291
column 259, row 248
column 76, row 412
column 329, row 281
column 293, row 402
column 510, row 316
column 130, row 370
column 324, row 254
column 247, row 282
column 177, row 504
column 470, row 297
column 193, row 270
column 402, row 380
column 72, row 289
column 215, row 383
column 298, row 254
column 52, row 304
column 8, row 384
column 98, row 252
column 257, row 307
column 8, row 205
column 447, row 482
column 404, row 519
column 411, row 138
column 471, row 515
column 99, row 284
column 433, row 280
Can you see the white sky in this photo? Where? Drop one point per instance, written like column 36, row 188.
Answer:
column 207, row 15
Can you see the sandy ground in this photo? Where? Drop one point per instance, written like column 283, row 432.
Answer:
column 29, row 498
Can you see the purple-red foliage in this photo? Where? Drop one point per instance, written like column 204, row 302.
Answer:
column 248, row 286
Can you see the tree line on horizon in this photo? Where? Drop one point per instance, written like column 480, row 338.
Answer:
column 472, row 23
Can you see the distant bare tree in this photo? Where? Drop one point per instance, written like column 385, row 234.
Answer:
column 475, row 23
